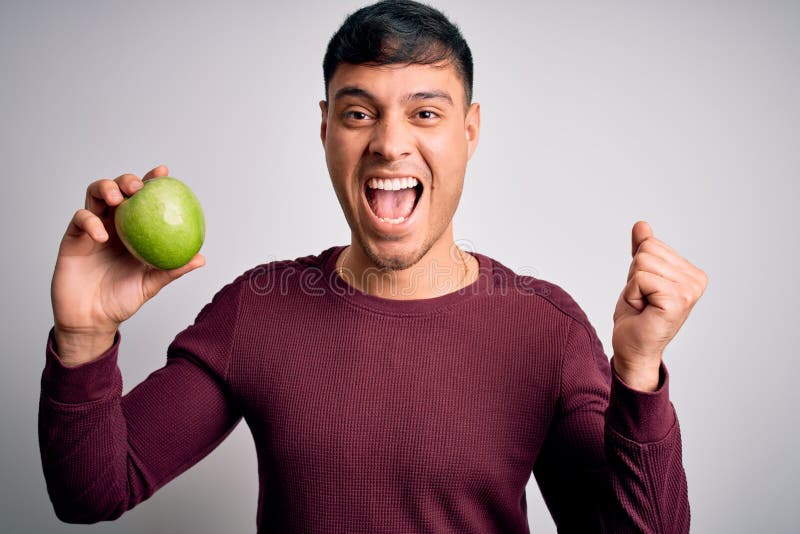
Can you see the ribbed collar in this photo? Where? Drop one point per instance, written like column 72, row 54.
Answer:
column 341, row 288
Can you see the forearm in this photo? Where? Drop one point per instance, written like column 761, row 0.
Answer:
column 103, row 453
column 643, row 448
column 612, row 462
column 83, row 438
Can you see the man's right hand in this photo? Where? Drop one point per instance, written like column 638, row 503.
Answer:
column 97, row 283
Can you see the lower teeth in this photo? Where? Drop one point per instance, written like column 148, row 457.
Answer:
column 393, row 221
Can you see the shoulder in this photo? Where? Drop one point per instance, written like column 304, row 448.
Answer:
column 549, row 305
column 254, row 294
column 278, row 276
column 274, row 288
column 533, row 291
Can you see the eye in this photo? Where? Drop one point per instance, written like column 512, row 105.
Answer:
column 356, row 115
column 427, row 114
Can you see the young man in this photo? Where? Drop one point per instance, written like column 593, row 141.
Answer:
column 395, row 385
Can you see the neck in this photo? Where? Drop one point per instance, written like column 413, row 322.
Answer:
column 445, row 268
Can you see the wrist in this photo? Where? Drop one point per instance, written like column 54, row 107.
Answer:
column 642, row 374
column 79, row 347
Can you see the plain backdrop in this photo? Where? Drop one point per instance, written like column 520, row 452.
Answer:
column 595, row 115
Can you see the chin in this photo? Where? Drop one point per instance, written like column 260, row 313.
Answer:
column 394, row 257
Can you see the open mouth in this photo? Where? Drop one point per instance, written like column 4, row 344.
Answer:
column 393, row 200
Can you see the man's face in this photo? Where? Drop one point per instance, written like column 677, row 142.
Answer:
column 385, row 127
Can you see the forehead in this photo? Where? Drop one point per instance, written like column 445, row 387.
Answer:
column 394, row 82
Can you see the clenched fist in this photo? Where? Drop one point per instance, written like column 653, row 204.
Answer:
column 662, row 289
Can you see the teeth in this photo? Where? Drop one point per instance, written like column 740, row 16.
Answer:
column 392, row 184
column 393, row 221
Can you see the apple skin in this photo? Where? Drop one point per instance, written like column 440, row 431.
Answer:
column 162, row 224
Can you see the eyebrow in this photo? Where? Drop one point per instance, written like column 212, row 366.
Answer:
column 356, row 91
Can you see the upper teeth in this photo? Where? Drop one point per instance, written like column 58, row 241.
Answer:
column 392, row 184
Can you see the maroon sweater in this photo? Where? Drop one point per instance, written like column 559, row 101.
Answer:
column 376, row 415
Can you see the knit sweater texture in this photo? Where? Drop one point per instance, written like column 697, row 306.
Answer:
column 376, row 415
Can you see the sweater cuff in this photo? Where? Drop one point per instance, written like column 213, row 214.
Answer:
column 83, row 383
column 643, row 417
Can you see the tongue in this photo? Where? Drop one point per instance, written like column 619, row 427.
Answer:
column 391, row 204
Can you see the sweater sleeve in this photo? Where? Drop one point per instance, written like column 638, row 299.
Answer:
column 612, row 460
column 103, row 453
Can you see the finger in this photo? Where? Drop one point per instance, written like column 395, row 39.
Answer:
column 157, row 172
column 102, row 194
column 653, row 263
column 656, row 247
column 645, row 288
column 129, row 183
column 689, row 282
column 641, row 230
column 156, row 279
column 86, row 222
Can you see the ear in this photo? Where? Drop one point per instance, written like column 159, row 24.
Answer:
column 323, row 128
column 472, row 127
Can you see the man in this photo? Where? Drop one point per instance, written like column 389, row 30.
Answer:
column 395, row 385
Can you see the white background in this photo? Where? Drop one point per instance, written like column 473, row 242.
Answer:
column 595, row 115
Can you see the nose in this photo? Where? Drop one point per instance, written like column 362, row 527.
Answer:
column 391, row 139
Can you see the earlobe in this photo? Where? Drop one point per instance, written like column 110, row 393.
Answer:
column 323, row 128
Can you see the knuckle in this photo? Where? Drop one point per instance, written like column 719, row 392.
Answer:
column 642, row 261
column 106, row 187
column 94, row 186
column 647, row 246
column 127, row 183
column 82, row 217
column 701, row 289
column 699, row 282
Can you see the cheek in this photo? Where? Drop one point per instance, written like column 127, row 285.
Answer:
column 340, row 156
column 446, row 156
column 343, row 149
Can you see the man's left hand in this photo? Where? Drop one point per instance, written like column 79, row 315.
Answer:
column 662, row 288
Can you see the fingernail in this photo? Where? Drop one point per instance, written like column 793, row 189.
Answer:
column 136, row 185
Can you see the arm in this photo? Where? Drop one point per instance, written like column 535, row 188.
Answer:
column 612, row 460
column 103, row 453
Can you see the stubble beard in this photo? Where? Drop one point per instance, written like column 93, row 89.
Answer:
column 401, row 263
column 395, row 263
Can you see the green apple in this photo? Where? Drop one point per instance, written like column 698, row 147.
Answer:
column 162, row 224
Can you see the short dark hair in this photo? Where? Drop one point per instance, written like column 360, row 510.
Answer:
column 399, row 32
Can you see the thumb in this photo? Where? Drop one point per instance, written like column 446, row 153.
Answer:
column 156, row 279
column 641, row 231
